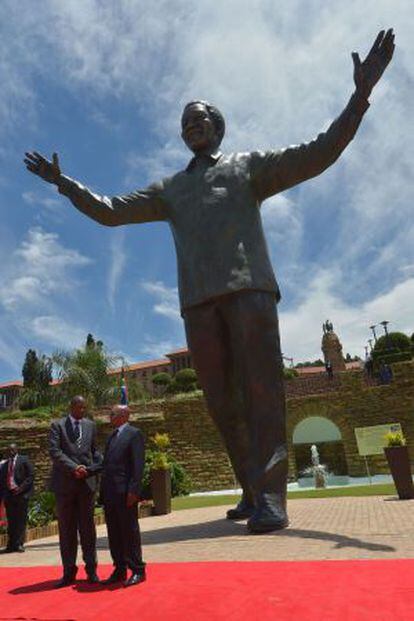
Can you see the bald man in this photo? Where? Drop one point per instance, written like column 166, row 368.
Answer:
column 122, row 471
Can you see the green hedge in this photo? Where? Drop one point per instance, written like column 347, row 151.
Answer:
column 390, row 358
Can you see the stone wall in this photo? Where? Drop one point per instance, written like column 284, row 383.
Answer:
column 197, row 445
column 356, row 404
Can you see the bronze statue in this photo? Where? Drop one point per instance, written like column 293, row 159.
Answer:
column 327, row 327
column 228, row 292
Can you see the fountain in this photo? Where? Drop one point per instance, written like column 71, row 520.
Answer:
column 319, row 471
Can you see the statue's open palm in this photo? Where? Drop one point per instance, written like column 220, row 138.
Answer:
column 39, row 165
column 368, row 72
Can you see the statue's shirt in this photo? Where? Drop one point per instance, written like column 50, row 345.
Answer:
column 213, row 206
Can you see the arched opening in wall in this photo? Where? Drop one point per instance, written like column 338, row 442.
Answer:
column 328, row 439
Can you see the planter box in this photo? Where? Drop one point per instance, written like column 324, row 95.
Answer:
column 399, row 462
column 161, row 491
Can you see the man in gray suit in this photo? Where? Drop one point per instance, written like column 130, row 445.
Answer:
column 122, row 471
column 73, row 452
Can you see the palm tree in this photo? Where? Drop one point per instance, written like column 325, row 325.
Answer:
column 85, row 371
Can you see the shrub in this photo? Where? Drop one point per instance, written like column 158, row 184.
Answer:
column 290, row 373
column 42, row 509
column 389, row 358
column 184, row 381
column 395, row 341
column 395, row 438
column 161, row 442
column 158, row 457
column 161, row 379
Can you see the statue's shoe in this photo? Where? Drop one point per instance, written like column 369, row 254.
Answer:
column 266, row 524
column 242, row 511
column 270, row 513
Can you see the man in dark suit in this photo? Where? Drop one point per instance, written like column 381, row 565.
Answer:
column 122, row 471
column 16, row 487
column 72, row 447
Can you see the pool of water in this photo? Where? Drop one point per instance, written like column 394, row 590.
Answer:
column 308, row 483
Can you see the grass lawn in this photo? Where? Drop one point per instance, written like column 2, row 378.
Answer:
column 194, row 502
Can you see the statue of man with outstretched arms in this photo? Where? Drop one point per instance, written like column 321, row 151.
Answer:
column 228, row 291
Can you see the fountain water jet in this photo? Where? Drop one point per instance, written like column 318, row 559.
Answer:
column 319, row 471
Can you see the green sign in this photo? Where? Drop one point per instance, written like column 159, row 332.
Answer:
column 371, row 440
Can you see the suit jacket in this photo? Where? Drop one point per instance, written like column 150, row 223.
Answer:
column 23, row 476
column 123, row 464
column 66, row 455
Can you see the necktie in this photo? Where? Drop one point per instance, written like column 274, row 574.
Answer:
column 113, row 437
column 10, row 474
column 77, row 433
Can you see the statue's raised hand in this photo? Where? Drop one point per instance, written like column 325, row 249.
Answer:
column 39, row 165
column 368, row 72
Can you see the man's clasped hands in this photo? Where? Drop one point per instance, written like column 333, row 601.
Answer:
column 80, row 472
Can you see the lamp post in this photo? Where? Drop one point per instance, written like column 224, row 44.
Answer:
column 387, row 336
column 373, row 331
column 288, row 358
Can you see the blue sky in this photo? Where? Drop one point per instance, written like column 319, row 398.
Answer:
column 103, row 84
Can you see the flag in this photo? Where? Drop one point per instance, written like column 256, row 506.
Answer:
column 124, row 389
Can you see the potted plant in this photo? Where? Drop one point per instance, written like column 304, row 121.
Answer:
column 398, row 459
column 160, row 475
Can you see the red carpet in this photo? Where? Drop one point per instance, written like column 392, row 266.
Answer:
column 276, row 591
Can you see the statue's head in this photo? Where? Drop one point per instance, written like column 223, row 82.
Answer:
column 202, row 126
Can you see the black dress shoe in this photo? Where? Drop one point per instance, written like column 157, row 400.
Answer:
column 135, row 579
column 65, row 581
column 20, row 549
column 93, row 578
column 116, row 576
column 7, row 551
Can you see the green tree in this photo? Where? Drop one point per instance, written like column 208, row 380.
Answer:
column 308, row 363
column 30, row 369
column 85, row 371
column 90, row 342
column 136, row 391
column 395, row 340
column 161, row 379
column 37, row 376
column 289, row 373
column 184, row 380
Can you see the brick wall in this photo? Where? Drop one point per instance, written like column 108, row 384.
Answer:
column 197, row 445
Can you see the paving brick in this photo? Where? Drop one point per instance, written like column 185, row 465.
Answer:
column 327, row 528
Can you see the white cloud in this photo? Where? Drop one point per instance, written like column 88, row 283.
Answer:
column 301, row 328
column 10, row 352
column 40, row 266
column 37, row 279
column 45, row 205
column 167, row 299
column 56, row 331
column 279, row 72
column 117, row 259
column 155, row 349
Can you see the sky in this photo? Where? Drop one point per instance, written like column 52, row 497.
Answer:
column 103, row 83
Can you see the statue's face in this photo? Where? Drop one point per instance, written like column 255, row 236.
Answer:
column 198, row 130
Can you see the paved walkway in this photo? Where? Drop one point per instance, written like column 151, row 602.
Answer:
column 326, row 528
